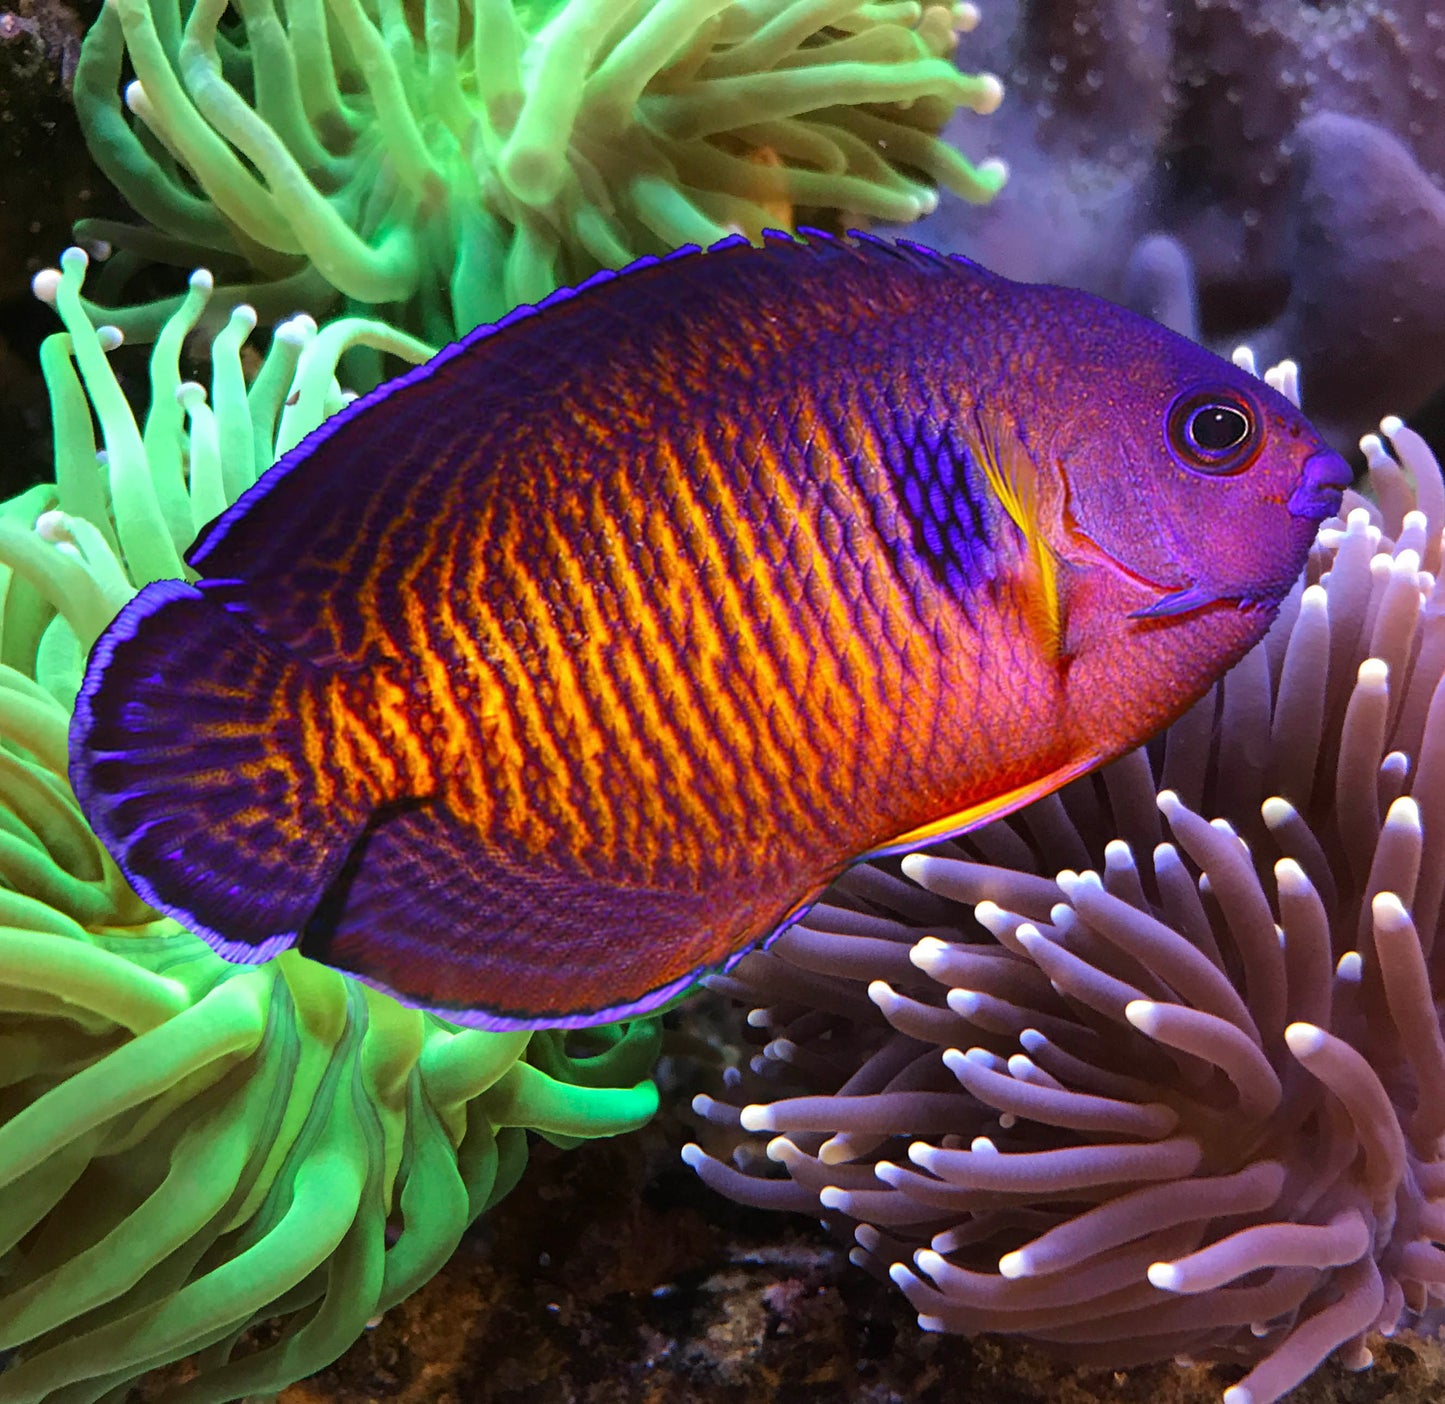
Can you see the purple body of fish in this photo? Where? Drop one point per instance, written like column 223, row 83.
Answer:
column 585, row 656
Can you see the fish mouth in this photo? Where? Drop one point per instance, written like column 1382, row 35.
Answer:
column 1322, row 482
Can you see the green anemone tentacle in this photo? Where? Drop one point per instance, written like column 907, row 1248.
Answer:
column 445, row 162
column 190, row 1147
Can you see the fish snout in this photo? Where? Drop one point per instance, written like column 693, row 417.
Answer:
column 1323, row 479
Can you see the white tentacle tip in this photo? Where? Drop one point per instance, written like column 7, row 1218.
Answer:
column 1389, row 912
column 990, row 94
column 883, row 995
column 1304, row 1040
column 928, row 954
column 783, row 1151
column 930, row 1262
column 1291, row 878
column 914, row 866
column 1014, row 1265
column 1030, row 937
column 46, row 284
column 1165, row 1276
column 243, row 318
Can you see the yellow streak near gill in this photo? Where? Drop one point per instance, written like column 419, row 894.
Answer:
column 357, row 749
column 428, row 723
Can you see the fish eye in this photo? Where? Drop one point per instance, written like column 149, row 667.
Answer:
column 1214, row 432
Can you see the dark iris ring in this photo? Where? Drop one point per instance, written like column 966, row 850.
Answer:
column 1213, row 431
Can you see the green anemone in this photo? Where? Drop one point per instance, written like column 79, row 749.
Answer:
column 446, row 161
column 188, row 1147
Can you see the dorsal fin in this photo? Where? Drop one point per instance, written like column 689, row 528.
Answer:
column 1015, row 479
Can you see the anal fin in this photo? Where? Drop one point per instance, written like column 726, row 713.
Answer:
column 427, row 910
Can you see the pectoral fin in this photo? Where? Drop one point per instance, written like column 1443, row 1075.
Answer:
column 1016, row 482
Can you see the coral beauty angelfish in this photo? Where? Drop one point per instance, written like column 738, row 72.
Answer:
column 585, row 656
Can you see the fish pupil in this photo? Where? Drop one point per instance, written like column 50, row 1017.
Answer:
column 1213, row 431
column 1217, row 428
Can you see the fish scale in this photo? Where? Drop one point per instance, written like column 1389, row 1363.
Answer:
column 581, row 659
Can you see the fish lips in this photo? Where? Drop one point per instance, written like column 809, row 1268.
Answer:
column 1323, row 480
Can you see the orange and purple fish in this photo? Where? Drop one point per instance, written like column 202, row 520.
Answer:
column 577, row 661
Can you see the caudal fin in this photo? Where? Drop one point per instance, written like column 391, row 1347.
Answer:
column 199, row 754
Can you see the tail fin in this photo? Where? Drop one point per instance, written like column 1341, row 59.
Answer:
column 198, row 753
